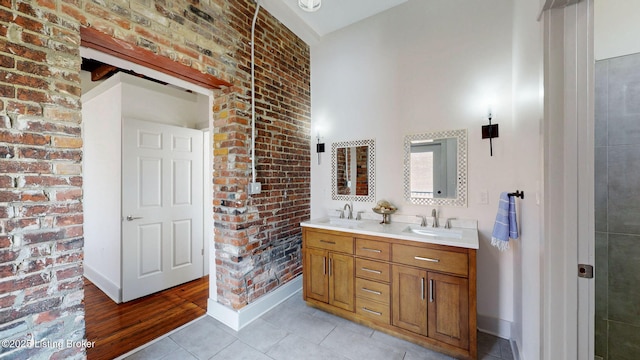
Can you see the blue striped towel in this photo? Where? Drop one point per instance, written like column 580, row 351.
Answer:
column 506, row 225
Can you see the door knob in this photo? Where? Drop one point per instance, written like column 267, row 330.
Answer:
column 131, row 218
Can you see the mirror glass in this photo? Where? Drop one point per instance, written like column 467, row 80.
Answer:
column 352, row 170
column 435, row 168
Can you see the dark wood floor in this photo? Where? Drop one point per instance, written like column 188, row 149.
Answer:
column 120, row 328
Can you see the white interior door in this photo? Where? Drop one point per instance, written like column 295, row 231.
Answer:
column 162, row 218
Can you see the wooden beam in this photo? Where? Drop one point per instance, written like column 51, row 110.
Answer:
column 102, row 71
column 94, row 39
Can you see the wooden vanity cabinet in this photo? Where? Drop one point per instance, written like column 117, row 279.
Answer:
column 328, row 269
column 420, row 292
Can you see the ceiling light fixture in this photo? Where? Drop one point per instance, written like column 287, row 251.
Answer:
column 309, row 5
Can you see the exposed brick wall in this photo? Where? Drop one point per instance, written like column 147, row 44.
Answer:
column 41, row 237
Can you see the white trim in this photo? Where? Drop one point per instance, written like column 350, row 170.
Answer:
column 237, row 319
column 515, row 352
column 494, row 326
column 567, row 329
column 108, row 287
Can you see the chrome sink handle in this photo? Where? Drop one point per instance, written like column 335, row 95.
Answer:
column 447, row 225
column 423, row 220
column 434, row 214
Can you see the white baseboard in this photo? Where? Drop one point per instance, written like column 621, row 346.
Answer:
column 237, row 319
column 112, row 290
column 498, row 327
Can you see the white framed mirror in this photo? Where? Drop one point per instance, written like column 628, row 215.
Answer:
column 435, row 168
column 353, row 170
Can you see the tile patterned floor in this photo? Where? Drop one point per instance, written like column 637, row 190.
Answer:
column 296, row 331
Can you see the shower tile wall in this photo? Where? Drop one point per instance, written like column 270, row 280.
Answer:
column 617, row 207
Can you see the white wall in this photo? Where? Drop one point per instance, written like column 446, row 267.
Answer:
column 102, row 186
column 426, row 66
column 615, row 30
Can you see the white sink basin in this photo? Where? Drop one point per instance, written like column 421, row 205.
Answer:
column 434, row 232
column 344, row 222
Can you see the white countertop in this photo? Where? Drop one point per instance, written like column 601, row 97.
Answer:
column 463, row 233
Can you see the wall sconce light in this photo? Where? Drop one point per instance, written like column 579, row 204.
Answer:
column 490, row 131
column 319, row 148
column 309, row 5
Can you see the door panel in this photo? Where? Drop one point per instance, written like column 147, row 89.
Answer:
column 150, row 182
column 341, row 281
column 315, row 275
column 149, row 249
column 449, row 309
column 180, row 240
column 162, row 201
column 409, row 299
column 182, row 182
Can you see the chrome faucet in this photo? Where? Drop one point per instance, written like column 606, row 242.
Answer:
column 447, row 225
column 350, row 213
column 423, row 220
column 434, row 215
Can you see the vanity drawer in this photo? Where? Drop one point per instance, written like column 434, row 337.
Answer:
column 373, row 249
column 440, row 260
column 329, row 241
column 380, row 313
column 373, row 270
column 367, row 289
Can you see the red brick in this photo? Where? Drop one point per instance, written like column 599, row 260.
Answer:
column 24, row 138
column 29, row 24
column 9, row 196
column 10, row 285
column 74, row 231
column 7, row 61
column 6, row 181
column 26, row 9
column 105, row 15
column 33, row 68
column 42, row 236
column 33, row 39
column 25, row 167
column 48, row 181
column 22, row 224
column 23, row 108
column 67, row 220
column 68, row 273
column 5, row 242
column 32, row 95
column 7, row 91
column 28, row 210
column 74, row 13
column 7, row 301
column 50, row 4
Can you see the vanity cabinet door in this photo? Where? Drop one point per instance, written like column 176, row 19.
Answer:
column 449, row 309
column 315, row 274
column 409, row 299
column 341, row 281
column 329, row 277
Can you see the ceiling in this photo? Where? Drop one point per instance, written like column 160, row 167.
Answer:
column 333, row 15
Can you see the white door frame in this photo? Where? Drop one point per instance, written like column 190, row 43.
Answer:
column 124, row 64
column 568, row 302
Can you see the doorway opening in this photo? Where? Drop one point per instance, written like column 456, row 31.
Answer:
column 94, row 61
column 617, row 237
